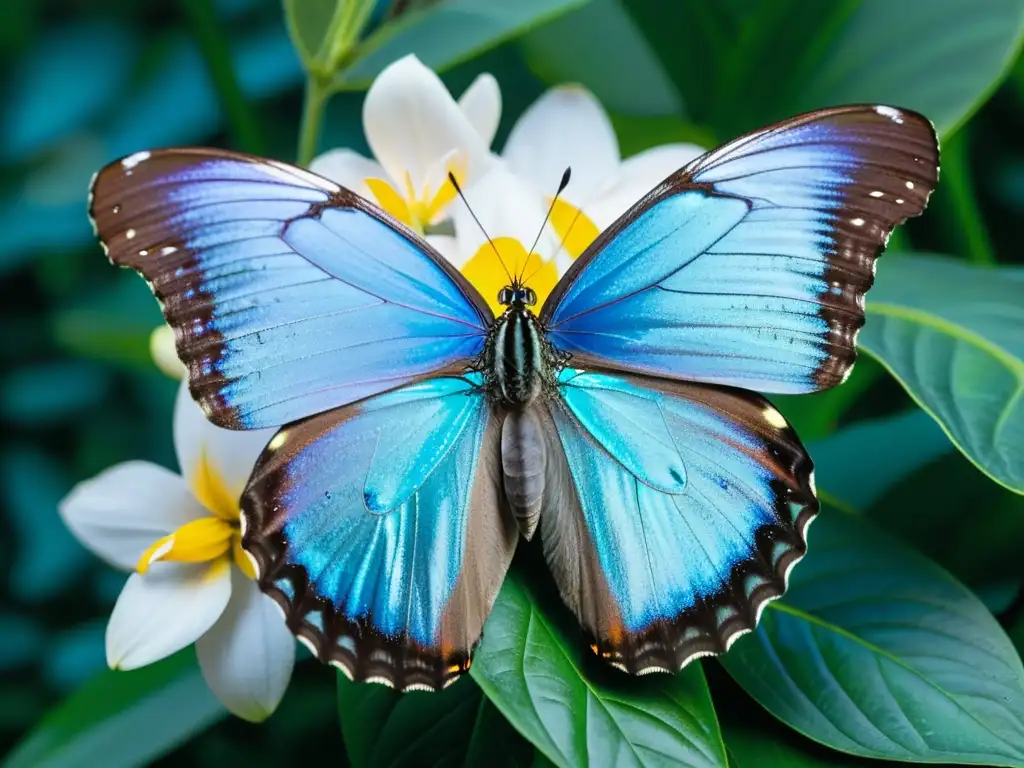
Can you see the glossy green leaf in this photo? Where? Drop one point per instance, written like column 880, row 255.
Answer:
column 749, row 747
column 857, row 465
column 577, row 711
column 939, row 57
column 877, row 651
column 927, row 510
column 444, row 34
column 574, row 49
column 384, row 728
column 122, row 719
column 953, row 335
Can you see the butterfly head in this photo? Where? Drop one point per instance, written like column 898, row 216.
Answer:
column 517, row 296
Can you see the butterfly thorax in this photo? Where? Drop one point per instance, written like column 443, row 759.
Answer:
column 517, row 363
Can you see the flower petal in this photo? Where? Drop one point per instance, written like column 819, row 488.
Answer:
column 123, row 510
column 566, row 127
column 248, row 655
column 411, row 122
column 170, row 607
column 636, row 177
column 201, row 446
column 481, row 104
column 200, row 541
column 505, row 206
column 164, row 353
column 348, row 168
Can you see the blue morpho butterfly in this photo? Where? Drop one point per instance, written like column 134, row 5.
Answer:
column 423, row 435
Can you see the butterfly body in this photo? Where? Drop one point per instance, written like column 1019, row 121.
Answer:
column 423, row 437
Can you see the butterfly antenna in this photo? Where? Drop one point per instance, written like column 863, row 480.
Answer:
column 451, row 178
column 561, row 187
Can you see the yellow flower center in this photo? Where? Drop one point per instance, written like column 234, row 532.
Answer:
column 573, row 227
column 417, row 209
column 216, row 537
column 485, row 272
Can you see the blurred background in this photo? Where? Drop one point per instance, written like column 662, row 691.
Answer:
column 86, row 81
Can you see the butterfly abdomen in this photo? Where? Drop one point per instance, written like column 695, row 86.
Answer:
column 515, row 358
column 524, row 464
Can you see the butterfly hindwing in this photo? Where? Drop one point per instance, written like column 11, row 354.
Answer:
column 288, row 294
column 749, row 266
column 379, row 529
column 673, row 513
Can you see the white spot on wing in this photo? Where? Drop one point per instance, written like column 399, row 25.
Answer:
column 308, row 643
column 858, row 222
column 774, row 418
column 130, row 234
column 876, row 193
column 277, row 440
column 132, row 160
column 893, row 114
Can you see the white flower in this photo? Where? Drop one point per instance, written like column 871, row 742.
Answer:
column 164, row 353
column 565, row 128
column 511, row 214
column 192, row 581
column 418, row 134
column 568, row 128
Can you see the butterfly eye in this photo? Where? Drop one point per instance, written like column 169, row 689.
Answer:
column 529, row 297
column 505, row 296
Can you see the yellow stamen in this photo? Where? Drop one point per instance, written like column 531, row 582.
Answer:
column 574, row 226
column 485, row 272
column 391, row 200
column 197, row 542
column 212, row 492
column 242, row 559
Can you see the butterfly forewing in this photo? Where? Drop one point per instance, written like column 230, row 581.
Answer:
column 288, row 294
column 749, row 266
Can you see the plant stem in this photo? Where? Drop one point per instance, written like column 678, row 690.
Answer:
column 316, row 96
column 245, row 129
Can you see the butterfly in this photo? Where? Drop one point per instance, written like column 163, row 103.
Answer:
column 424, row 436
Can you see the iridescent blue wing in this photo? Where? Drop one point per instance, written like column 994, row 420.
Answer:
column 288, row 294
column 749, row 266
column 379, row 530
column 673, row 513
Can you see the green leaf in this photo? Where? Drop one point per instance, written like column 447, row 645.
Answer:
column 443, row 34
column 877, row 651
column 122, row 718
column 309, row 24
column 535, row 673
column 456, row 726
column 940, row 57
column 750, row 747
column 953, row 335
column 927, row 509
column 757, row 48
column 857, row 465
column 574, row 49
column 637, row 133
